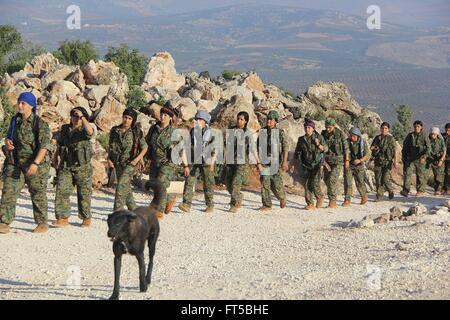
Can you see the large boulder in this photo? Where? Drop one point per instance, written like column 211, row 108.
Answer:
column 252, row 81
column 161, row 72
column 333, row 96
column 44, row 63
column 96, row 93
column 227, row 113
column 59, row 72
column 107, row 73
column 77, row 77
column 234, row 90
column 187, row 108
column 65, row 90
column 110, row 114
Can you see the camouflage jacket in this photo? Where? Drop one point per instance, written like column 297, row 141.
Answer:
column 384, row 150
column 282, row 145
column 160, row 144
column 74, row 146
column 310, row 156
column 355, row 151
column 243, row 149
column 437, row 149
column 26, row 144
column 415, row 147
column 447, row 146
column 121, row 146
column 337, row 146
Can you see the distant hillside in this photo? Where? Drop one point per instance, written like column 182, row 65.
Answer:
column 287, row 45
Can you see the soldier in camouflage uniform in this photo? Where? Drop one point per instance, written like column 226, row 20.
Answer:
column 336, row 156
column 26, row 147
column 238, row 173
column 74, row 168
column 205, row 168
column 310, row 152
column 436, row 159
column 159, row 139
column 447, row 159
column 359, row 154
column 416, row 148
column 383, row 153
column 127, row 147
column 269, row 181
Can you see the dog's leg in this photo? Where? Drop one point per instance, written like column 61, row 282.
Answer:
column 117, row 267
column 151, row 252
column 142, row 284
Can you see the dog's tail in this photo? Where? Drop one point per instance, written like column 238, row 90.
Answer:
column 159, row 191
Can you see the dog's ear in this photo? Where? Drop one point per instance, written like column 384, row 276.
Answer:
column 131, row 216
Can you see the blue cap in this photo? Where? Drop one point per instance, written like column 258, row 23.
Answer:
column 29, row 98
column 203, row 115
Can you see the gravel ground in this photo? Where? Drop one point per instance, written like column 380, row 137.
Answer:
column 283, row 254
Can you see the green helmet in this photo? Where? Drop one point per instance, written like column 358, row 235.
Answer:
column 273, row 115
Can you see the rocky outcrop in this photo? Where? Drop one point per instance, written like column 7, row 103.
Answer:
column 161, row 73
column 102, row 89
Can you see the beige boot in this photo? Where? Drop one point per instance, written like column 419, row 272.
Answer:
column 41, row 228
column 62, row 222
column 4, row 228
column 86, row 223
column 184, row 207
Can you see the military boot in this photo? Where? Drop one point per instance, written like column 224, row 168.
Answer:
column 160, row 215
column 184, row 207
column 283, row 203
column 4, row 228
column 233, row 209
column 41, row 228
column 169, row 206
column 209, row 209
column 346, row 203
column 364, row 200
column 86, row 223
column 309, row 206
column 332, row 204
column 264, row 208
column 62, row 222
column 404, row 193
column 319, row 203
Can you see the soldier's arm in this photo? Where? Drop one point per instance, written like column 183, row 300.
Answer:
column 44, row 137
column 366, row 153
column 144, row 147
column 284, row 146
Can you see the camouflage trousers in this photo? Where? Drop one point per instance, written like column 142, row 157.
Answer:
column 359, row 174
column 421, row 175
column 313, row 189
column 164, row 174
column 14, row 180
column 438, row 177
column 81, row 177
column 331, row 180
column 274, row 183
column 237, row 175
column 124, row 190
column 208, row 184
column 383, row 180
column 447, row 175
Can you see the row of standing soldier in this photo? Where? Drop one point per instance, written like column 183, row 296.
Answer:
column 27, row 162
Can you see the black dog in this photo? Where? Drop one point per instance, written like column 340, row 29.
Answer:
column 129, row 230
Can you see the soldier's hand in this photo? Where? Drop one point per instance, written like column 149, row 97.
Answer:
column 284, row 166
column 9, row 145
column 134, row 163
column 423, row 160
column 440, row 163
column 187, row 171
column 394, row 164
column 110, row 164
column 32, row 169
column 347, row 163
column 356, row 161
column 317, row 142
column 211, row 168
